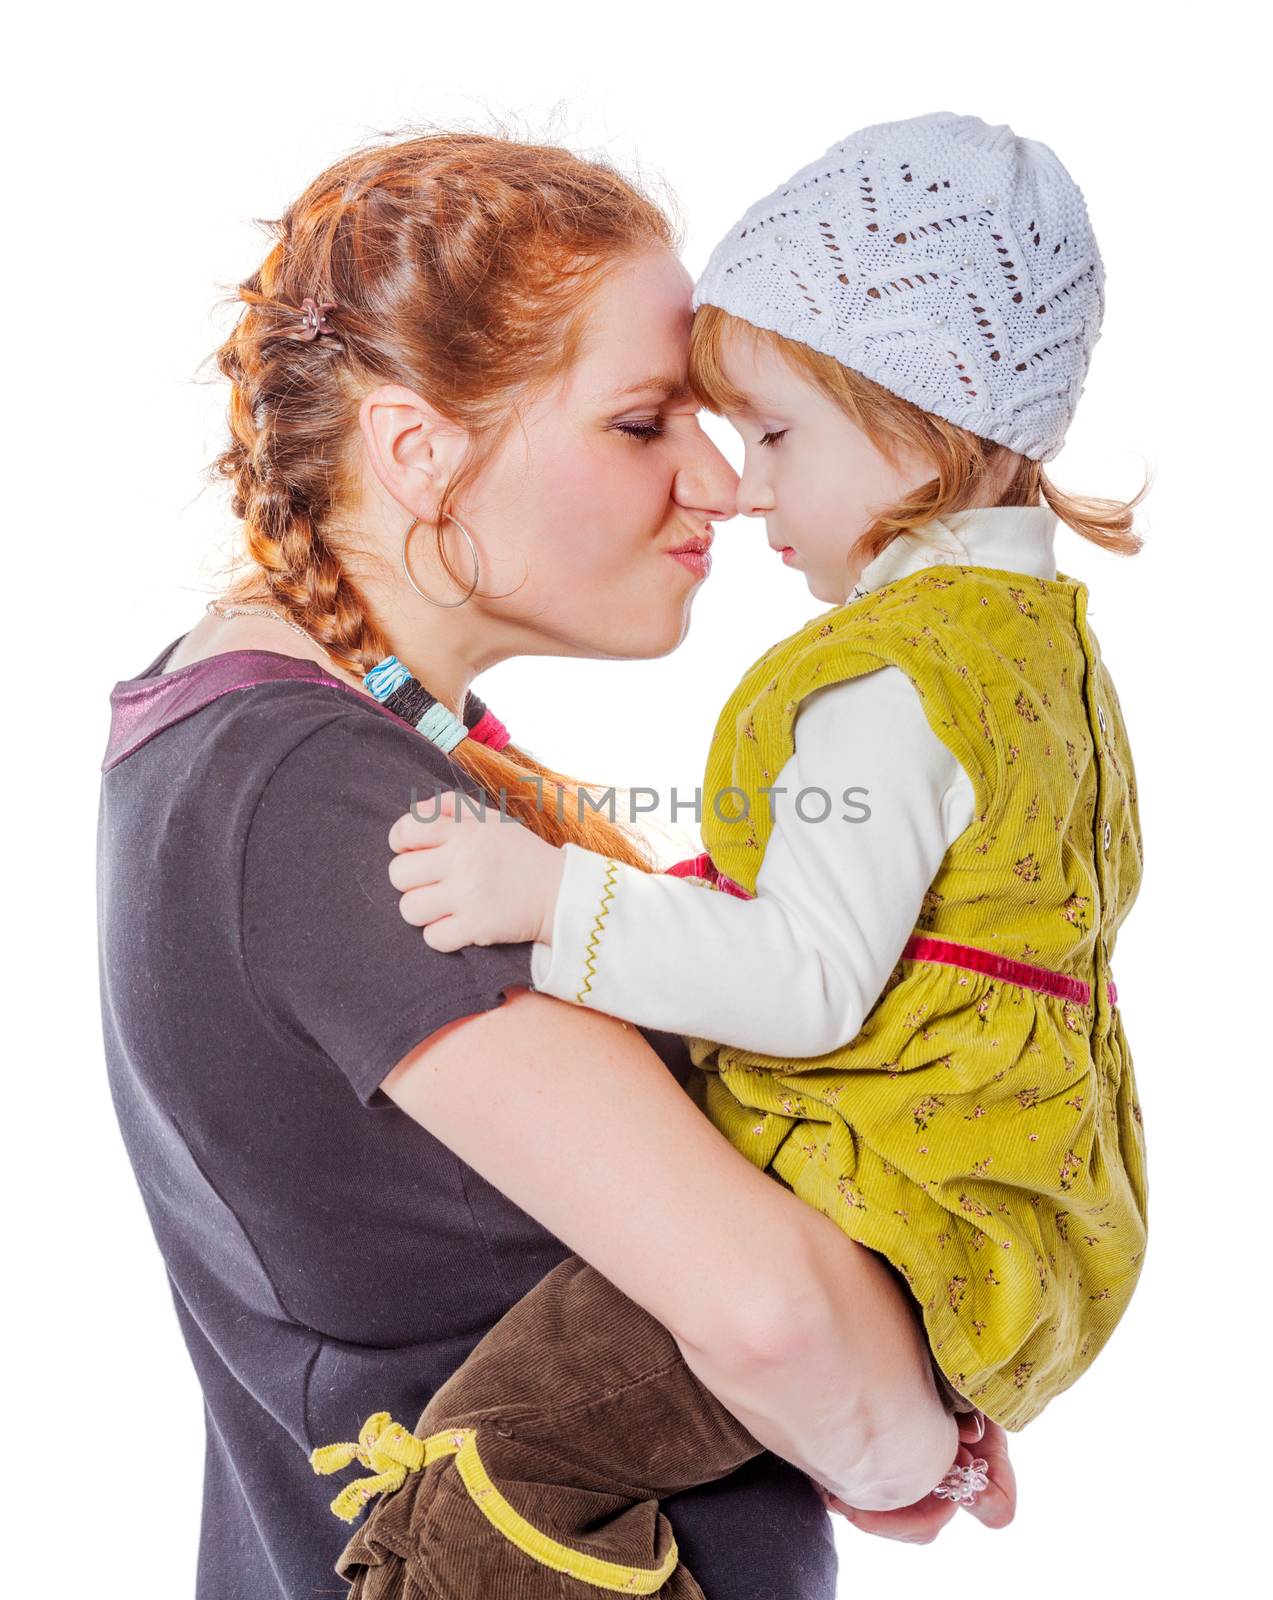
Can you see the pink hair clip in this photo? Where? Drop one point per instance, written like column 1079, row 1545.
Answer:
column 314, row 319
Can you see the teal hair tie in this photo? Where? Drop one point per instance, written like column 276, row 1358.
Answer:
column 392, row 685
column 442, row 726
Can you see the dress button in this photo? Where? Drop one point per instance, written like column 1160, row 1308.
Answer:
column 1100, row 717
column 1108, row 835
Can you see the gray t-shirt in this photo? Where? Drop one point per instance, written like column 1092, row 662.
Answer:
column 327, row 1256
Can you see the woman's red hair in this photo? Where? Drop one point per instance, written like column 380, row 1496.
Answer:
column 461, row 265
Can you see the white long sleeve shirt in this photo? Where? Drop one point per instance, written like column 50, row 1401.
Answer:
column 795, row 971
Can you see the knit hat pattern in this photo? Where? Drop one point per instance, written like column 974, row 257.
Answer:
column 949, row 260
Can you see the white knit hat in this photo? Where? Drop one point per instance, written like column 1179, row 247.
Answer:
column 950, row 261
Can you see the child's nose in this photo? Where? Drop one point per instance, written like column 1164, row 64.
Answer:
column 754, row 498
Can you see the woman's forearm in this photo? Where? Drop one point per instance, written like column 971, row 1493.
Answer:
column 782, row 1316
column 843, row 1388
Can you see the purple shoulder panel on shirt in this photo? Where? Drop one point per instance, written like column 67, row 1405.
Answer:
column 144, row 706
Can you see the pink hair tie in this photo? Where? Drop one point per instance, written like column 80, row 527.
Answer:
column 490, row 731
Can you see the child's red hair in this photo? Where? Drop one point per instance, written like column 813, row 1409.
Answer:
column 962, row 461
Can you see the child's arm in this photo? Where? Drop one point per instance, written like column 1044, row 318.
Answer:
column 795, row 971
column 792, row 972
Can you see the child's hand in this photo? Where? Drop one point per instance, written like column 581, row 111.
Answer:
column 473, row 879
column 996, row 1504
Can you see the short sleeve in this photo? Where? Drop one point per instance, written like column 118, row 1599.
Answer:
column 327, row 950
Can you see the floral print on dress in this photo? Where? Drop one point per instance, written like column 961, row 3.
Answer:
column 970, row 1120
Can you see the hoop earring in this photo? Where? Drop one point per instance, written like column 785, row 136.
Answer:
column 446, row 604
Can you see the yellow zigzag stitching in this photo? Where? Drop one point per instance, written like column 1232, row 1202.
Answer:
column 590, row 960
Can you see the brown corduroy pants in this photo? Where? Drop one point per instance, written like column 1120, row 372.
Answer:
column 586, row 1415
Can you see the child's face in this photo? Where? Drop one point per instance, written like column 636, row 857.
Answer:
column 811, row 473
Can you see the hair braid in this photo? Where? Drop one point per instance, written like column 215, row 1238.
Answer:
column 283, row 509
column 460, row 265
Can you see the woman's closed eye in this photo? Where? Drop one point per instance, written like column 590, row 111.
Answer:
column 646, row 429
column 773, row 438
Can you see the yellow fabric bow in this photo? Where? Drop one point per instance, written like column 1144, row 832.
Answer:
column 383, row 1445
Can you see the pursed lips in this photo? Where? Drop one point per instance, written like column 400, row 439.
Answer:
column 694, row 555
column 692, row 547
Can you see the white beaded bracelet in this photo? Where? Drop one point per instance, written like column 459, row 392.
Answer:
column 964, row 1484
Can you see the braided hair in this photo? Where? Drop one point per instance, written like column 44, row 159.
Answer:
column 460, row 265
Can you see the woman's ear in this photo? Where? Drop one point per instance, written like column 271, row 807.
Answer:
column 413, row 449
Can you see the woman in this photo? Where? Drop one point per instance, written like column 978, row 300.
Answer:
column 334, row 1126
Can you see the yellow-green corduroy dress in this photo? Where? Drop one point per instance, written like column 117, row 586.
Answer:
column 985, row 1137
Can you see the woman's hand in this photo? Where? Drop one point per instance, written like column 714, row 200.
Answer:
column 920, row 1523
column 917, row 1524
column 473, row 878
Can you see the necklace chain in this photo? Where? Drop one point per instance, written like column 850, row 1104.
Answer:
column 262, row 611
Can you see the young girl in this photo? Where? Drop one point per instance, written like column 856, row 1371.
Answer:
column 920, row 809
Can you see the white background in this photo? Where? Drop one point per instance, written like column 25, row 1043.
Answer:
column 141, row 144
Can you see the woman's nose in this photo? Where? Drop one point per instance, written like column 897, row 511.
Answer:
column 706, row 482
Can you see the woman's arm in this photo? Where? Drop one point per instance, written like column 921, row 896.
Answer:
column 796, row 1329
column 777, row 1312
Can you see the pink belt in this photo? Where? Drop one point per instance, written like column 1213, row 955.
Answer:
column 1018, row 972
column 968, row 956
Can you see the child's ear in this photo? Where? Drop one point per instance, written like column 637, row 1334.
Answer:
column 413, row 449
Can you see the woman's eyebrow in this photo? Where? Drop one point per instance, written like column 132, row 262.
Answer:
column 671, row 388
